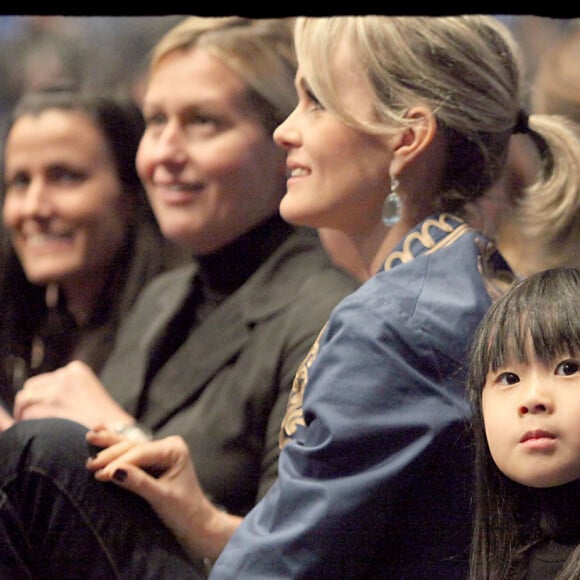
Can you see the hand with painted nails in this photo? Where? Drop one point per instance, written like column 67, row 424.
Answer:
column 162, row 473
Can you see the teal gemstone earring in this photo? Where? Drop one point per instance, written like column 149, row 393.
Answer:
column 391, row 213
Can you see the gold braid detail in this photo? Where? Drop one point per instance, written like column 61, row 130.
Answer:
column 294, row 415
column 426, row 239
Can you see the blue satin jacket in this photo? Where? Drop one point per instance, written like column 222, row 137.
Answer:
column 375, row 467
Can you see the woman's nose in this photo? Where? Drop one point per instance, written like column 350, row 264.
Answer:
column 170, row 146
column 36, row 201
column 287, row 135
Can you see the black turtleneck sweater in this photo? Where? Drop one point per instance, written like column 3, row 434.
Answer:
column 560, row 527
column 220, row 274
column 224, row 271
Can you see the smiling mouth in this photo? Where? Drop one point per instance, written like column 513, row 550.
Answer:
column 179, row 186
column 297, row 172
column 176, row 195
column 44, row 238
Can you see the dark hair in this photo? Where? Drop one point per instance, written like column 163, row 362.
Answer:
column 537, row 318
column 118, row 118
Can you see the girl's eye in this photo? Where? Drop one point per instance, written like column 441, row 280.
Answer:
column 507, row 379
column 568, row 367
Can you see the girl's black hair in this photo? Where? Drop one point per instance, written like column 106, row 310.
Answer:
column 538, row 318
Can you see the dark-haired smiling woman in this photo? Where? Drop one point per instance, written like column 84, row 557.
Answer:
column 80, row 241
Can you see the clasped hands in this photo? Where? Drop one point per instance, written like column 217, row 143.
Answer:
column 72, row 392
column 160, row 471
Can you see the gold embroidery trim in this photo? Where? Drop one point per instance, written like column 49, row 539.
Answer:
column 424, row 237
column 294, row 415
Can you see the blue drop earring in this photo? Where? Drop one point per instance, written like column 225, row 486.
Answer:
column 391, row 213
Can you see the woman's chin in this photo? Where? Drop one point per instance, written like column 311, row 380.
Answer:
column 299, row 217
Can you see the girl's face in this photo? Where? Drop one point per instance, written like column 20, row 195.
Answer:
column 532, row 421
column 65, row 207
column 211, row 170
column 338, row 176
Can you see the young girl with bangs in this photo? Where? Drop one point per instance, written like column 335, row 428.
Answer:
column 524, row 386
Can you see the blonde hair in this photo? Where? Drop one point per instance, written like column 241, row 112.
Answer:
column 548, row 210
column 466, row 69
column 260, row 51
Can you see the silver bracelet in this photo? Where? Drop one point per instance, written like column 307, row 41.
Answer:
column 132, row 431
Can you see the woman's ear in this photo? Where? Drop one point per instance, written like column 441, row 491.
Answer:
column 412, row 141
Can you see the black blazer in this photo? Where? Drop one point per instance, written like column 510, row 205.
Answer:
column 228, row 400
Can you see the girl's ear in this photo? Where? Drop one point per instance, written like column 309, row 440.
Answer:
column 414, row 139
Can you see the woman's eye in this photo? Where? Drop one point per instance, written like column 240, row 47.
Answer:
column 315, row 103
column 154, row 119
column 507, row 379
column 568, row 367
column 202, row 120
column 65, row 175
column 19, row 181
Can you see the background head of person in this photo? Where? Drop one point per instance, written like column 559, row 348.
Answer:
column 536, row 221
column 72, row 202
column 216, row 90
column 536, row 227
column 556, row 84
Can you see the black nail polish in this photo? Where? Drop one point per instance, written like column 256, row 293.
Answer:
column 93, row 450
column 120, row 475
